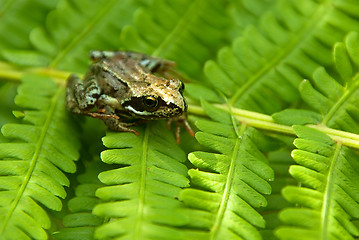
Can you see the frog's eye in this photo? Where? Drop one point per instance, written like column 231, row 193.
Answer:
column 150, row 102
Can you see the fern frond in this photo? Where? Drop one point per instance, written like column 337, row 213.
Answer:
column 334, row 98
column 140, row 199
column 32, row 165
column 170, row 29
column 263, row 67
column 72, row 29
column 231, row 180
column 329, row 195
column 81, row 223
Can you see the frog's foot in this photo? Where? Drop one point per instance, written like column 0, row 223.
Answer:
column 118, row 126
column 80, row 98
column 180, row 120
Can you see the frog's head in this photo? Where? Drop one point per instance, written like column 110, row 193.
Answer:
column 156, row 98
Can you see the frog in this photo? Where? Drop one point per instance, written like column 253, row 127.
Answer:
column 125, row 88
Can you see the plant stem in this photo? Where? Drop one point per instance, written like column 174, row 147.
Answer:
column 266, row 122
column 12, row 73
column 254, row 119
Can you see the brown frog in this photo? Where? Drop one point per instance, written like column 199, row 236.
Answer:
column 127, row 88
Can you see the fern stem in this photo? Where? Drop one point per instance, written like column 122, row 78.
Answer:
column 345, row 138
column 15, row 74
column 10, row 73
column 266, row 122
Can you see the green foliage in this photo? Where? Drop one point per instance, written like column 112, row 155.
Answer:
column 231, row 180
column 13, row 16
column 80, row 223
column 263, row 67
column 32, row 166
column 327, row 170
column 56, row 44
column 297, row 60
column 329, row 194
column 141, row 194
column 161, row 29
column 334, row 98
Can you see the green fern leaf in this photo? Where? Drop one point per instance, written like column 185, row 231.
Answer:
column 297, row 116
column 231, row 180
column 31, row 166
column 336, row 103
column 329, row 194
column 90, row 23
column 139, row 200
column 334, row 98
column 263, row 67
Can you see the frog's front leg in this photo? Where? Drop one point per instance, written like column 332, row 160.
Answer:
column 81, row 96
column 118, row 126
column 107, row 113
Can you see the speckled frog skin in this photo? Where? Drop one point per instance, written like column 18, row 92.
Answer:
column 124, row 86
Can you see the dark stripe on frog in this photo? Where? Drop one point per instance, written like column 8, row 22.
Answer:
column 137, row 104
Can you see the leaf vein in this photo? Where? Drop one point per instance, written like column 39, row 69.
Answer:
column 86, row 30
column 326, row 214
column 185, row 21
